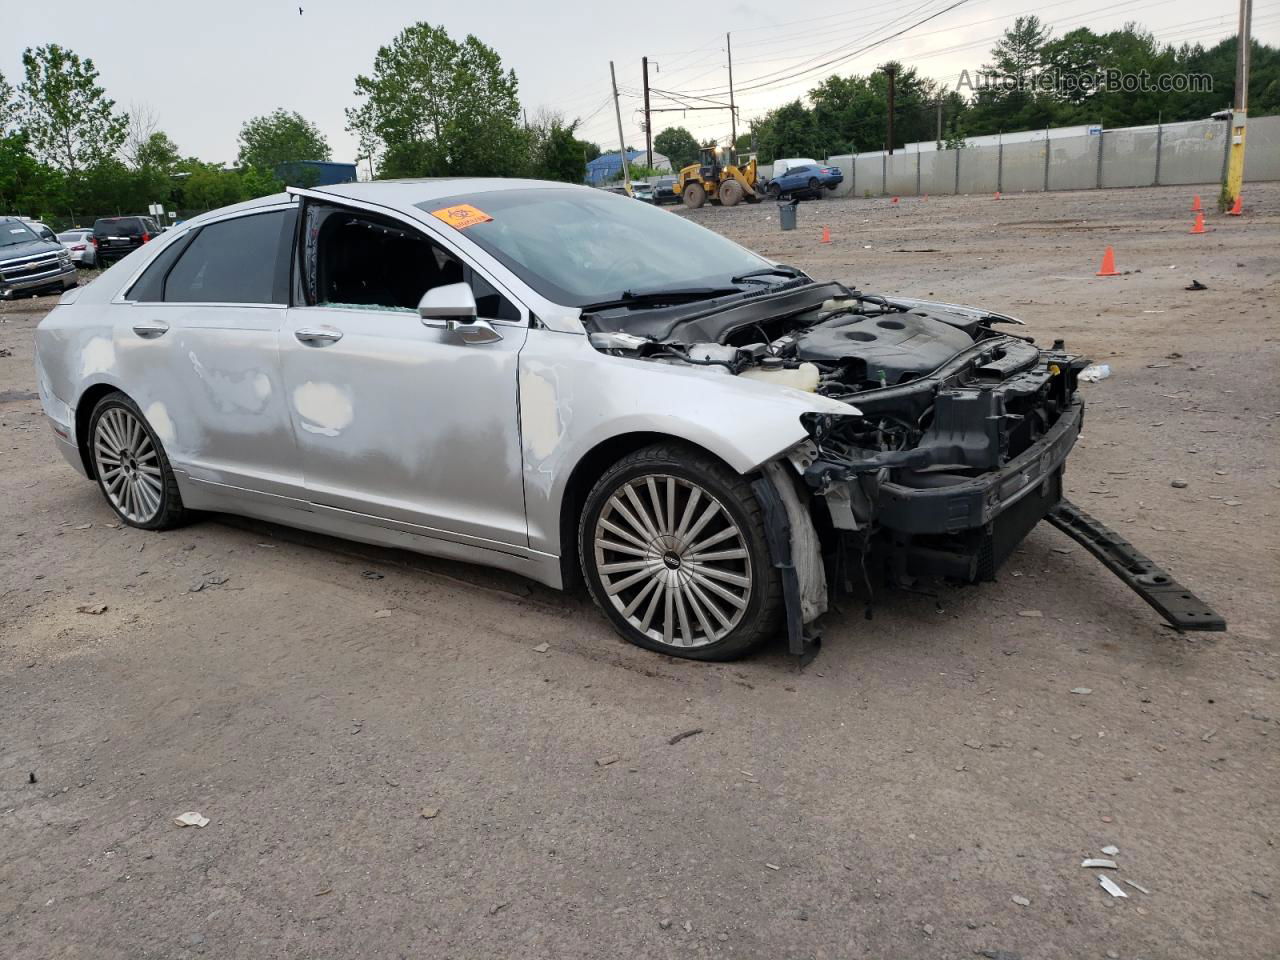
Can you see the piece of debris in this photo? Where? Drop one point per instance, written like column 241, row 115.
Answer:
column 191, row 819
column 688, row 927
column 196, row 586
column 323, row 893
column 429, row 813
column 1030, row 613
column 1178, row 484
column 1111, row 850
column 1195, row 285
column 498, row 906
column 371, row 575
column 684, row 735
column 84, row 526
column 215, row 579
column 665, row 923
column 1095, row 372
column 1099, row 863
column 928, row 929
column 722, row 937
column 31, row 777
column 973, row 744
column 1020, row 901
column 1082, row 691
column 1111, row 887
column 1137, row 886
column 998, row 954
column 381, row 614
column 773, row 866
column 1209, row 736
column 605, row 761
column 542, row 648
column 93, row 609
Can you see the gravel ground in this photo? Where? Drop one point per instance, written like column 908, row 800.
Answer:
column 927, row 788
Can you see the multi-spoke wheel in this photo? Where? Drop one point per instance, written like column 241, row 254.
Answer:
column 132, row 470
column 674, row 551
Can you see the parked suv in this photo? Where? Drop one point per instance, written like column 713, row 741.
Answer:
column 117, row 237
column 29, row 263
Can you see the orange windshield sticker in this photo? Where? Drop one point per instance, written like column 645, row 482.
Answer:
column 461, row 216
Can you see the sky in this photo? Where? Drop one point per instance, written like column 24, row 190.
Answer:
column 203, row 68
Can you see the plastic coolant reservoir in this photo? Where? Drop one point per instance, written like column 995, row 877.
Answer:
column 803, row 377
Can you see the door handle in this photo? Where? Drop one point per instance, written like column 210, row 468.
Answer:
column 150, row 329
column 318, row 335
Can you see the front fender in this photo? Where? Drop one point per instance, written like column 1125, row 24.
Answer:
column 573, row 398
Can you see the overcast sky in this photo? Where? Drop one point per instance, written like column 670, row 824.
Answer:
column 205, row 67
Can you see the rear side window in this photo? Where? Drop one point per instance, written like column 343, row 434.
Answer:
column 245, row 260
column 150, row 286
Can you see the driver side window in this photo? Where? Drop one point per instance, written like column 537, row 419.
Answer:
column 360, row 260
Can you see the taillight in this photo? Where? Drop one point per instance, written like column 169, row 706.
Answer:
column 146, row 237
column 78, row 246
column 95, row 240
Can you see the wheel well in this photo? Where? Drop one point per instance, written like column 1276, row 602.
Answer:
column 585, row 474
column 84, row 410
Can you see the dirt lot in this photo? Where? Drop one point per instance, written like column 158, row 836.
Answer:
column 891, row 800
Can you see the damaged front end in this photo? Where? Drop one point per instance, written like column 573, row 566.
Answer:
column 953, row 449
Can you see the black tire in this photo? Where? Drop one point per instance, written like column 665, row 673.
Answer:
column 815, row 188
column 774, row 191
column 694, row 196
column 758, row 620
column 169, row 512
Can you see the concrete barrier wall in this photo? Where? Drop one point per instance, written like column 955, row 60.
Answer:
column 1184, row 153
column 938, row 171
column 1262, row 149
column 845, row 166
column 1022, row 166
column 1129, row 157
column 979, row 169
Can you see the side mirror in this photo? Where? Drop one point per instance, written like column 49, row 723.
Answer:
column 450, row 302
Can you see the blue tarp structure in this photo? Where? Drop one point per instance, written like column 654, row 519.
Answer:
column 607, row 166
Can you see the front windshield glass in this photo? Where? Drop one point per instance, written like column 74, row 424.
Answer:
column 13, row 233
column 578, row 246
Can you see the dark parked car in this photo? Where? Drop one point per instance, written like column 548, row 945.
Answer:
column 30, row 263
column 117, row 237
column 664, row 191
column 807, row 180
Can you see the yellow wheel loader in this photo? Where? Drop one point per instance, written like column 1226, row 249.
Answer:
column 712, row 179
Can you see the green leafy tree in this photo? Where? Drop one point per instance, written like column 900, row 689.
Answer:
column 70, row 122
column 555, row 153
column 26, row 185
column 281, row 136
column 678, row 145
column 590, row 151
column 158, row 153
column 789, row 131
column 434, row 107
column 8, row 106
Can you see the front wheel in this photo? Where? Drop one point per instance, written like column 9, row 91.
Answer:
column 132, row 470
column 694, row 196
column 673, row 550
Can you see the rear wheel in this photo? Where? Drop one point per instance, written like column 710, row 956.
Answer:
column 731, row 193
column 694, row 196
column 673, row 550
column 132, row 470
column 815, row 188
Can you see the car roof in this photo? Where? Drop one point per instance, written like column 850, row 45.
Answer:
column 409, row 193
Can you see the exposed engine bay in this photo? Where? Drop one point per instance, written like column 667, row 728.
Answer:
column 956, row 439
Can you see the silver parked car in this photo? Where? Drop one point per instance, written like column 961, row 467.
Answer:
column 79, row 243
column 560, row 382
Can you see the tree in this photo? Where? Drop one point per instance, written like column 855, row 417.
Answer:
column 436, row 107
column 70, row 122
column 554, row 152
column 281, row 136
column 158, row 153
column 789, row 131
column 678, row 145
column 8, row 106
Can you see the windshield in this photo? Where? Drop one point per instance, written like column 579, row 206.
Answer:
column 72, row 236
column 579, row 246
column 13, row 233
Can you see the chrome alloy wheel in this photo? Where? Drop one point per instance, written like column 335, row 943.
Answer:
column 127, row 462
column 673, row 561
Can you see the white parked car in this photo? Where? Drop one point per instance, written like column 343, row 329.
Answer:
column 79, row 243
column 564, row 383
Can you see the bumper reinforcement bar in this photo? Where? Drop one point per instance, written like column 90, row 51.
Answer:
column 1178, row 605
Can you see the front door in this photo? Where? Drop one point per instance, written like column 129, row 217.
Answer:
column 401, row 423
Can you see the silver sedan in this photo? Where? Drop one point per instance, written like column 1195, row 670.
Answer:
column 558, row 382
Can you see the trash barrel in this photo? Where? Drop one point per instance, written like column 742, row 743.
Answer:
column 787, row 215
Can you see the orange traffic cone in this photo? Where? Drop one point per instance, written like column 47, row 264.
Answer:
column 1198, row 226
column 1237, row 208
column 895, row 199
column 1195, row 204
column 826, row 235
column 997, row 194
column 1108, row 268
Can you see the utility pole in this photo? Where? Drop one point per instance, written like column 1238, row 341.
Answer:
column 733, row 111
column 889, row 72
column 648, row 127
column 1235, row 161
column 622, row 143
column 939, row 122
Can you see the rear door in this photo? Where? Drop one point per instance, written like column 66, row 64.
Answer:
column 198, row 350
